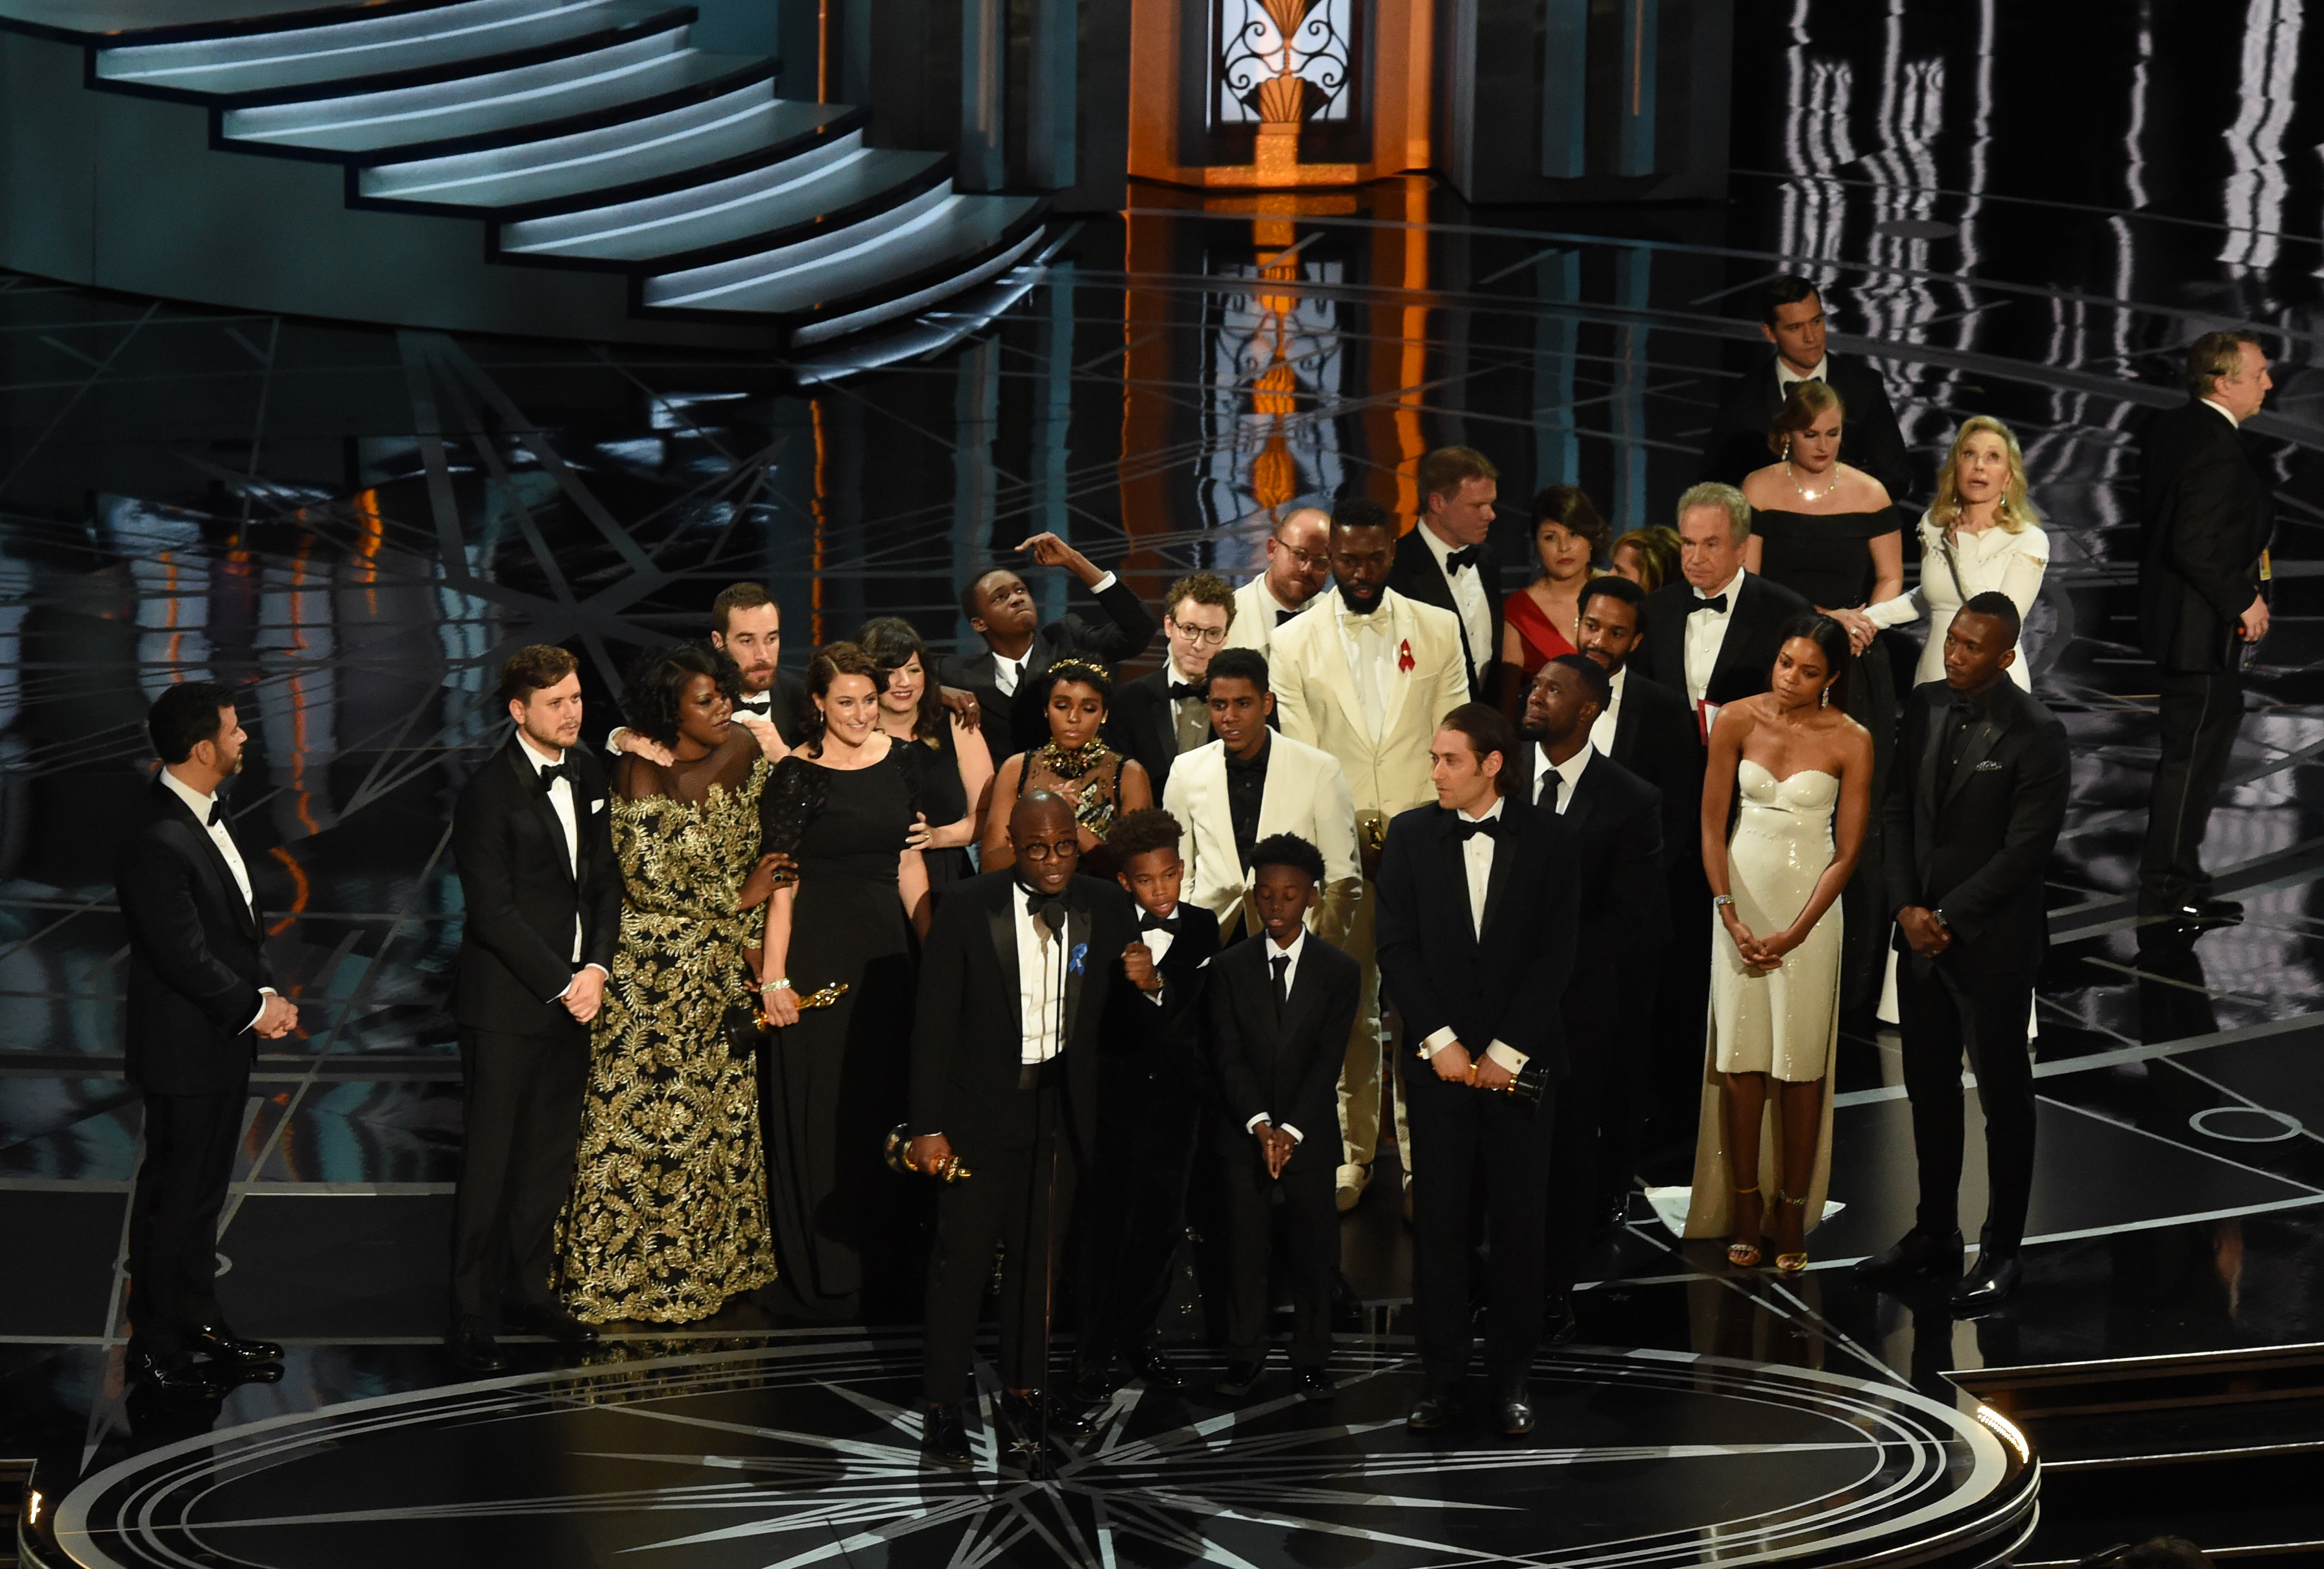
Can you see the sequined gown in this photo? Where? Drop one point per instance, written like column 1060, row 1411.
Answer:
column 668, row 1216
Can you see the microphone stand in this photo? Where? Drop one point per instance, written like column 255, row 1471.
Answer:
column 1053, row 917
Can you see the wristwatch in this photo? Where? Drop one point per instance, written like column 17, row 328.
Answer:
column 1943, row 925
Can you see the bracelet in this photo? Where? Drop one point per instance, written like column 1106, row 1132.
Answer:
column 1720, row 900
column 781, row 984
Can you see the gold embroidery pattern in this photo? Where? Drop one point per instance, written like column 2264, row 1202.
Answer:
column 668, row 1216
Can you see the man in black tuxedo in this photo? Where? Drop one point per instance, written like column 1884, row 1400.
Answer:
column 1617, row 818
column 1974, row 809
column 2205, row 513
column 1156, row 716
column 1280, row 1010
column 1478, row 919
column 200, row 996
column 533, row 843
column 1446, row 559
column 1015, row 981
column 1791, row 319
column 1000, row 609
column 1152, row 1074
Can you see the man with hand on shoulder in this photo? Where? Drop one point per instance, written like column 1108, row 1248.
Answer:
column 201, row 996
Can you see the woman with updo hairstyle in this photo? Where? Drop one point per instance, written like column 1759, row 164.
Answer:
column 957, row 765
column 1796, row 772
column 1074, row 762
column 667, row 1216
column 839, row 982
column 1537, row 622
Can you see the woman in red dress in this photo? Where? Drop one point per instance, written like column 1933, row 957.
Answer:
column 1537, row 619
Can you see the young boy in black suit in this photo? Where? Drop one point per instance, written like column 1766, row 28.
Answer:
column 1151, row 1076
column 1281, row 1006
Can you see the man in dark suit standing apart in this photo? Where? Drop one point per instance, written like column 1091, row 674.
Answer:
column 1617, row 818
column 1974, row 809
column 1156, row 716
column 2206, row 513
column 1480, row 899
column 1712, row 638
column 200, row 998
column 1000, row 609
column 1791, row 319
column 1015, row 979
column 1446, row 559
column 533, row 843
column 1280, row 1012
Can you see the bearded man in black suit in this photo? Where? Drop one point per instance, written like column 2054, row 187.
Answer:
column 1792, row 320
column 2206, row 513
column 201, row 996
column 533, row 843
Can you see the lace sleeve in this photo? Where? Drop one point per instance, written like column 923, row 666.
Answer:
column 793, row 799
column 912, row 761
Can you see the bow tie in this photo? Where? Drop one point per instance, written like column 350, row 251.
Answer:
column 1038, row 905
column 1471, row 557
column 1717, row 601
column 1148, row 921
column 759, row 704
column 551, row 774
column 1490, row 828
column 218, row 813
column 1282, row 615
column 1183, row 689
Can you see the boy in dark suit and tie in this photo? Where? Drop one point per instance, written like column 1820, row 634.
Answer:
column 1281, row 1007
column 1150, row 1079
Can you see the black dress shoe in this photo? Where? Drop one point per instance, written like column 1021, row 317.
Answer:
column 1992, row 1283
column 1150, row 1367
column 1238, row 1379
column 473, row 1348
column 180, row 1377
column 1316, row 1384
column 2210, row 911
column 1437, row 1407
column 1558, row 1325
column 1513, row 1412
column 1918, row 1255
column 943, row 1435
column 550, row 1319
column 222, row 1343
column 1038, row 1413
column 1617, row 1210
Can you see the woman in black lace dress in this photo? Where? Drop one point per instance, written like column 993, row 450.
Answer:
column 1075, row 763
column 846, row 806
column 954, row 765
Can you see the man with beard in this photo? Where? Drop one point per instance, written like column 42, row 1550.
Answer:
column 1365, row 677
column 1298, row 568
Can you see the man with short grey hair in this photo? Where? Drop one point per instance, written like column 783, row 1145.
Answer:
column 1713, row 635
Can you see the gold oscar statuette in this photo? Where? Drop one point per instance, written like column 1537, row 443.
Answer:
column 822, row 998
column 951, row 1168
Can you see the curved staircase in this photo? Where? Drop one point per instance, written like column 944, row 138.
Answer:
column 573, row 168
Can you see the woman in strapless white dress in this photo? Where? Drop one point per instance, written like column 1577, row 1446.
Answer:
column 1802, row 771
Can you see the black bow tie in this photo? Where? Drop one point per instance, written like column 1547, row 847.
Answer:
column 759, row 704
column 218, row 813
column 555, row 772
column 1183, row 689
column 1282, row 615
column 1150, row 922
column 1471, row 557
column 1038, row 905
column 1717, row 601
column 1490, row 828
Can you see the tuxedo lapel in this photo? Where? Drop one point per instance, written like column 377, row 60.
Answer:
column 1076, row 957
column 1306, row 994
column 1400, row 680
column 537, row 799
column 1506, row 850
column 1731, row 648
column 1002, row 919
column 1981, row 745
column 221, row 874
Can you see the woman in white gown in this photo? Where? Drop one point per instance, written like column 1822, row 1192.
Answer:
column 1980, row 535
column 1804, row 770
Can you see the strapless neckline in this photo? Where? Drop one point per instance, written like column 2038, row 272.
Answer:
column 1780, row 783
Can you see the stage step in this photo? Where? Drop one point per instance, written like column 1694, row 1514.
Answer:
column 2222, row 1448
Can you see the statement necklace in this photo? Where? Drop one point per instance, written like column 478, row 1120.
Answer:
column 1805, row 493
column 1071, row 764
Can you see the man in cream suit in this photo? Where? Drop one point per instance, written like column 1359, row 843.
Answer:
column 1251, row 784
column 1367, row 676
column 1299, row 565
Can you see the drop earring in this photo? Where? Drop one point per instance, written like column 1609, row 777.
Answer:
column 1823, row 698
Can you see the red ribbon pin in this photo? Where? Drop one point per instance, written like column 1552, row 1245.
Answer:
column 1404, row 659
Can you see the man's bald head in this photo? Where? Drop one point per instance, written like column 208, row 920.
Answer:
column 1298, row 556
column 1046, row 840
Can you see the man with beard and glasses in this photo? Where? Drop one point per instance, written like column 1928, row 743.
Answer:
column 1299, row 570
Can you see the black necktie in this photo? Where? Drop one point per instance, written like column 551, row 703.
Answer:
column 1472, row 557
column 1282, row 615
column 1281, row 964
column 1490, row 828
column 1181, row 689
column 1150, row 922
column 1551, row 782
column 218, row 813
column 1717, row 601
column 551, row 775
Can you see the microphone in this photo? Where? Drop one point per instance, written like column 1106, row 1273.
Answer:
column 1053, row 915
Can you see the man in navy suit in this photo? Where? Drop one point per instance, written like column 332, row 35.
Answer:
column 1477, row 920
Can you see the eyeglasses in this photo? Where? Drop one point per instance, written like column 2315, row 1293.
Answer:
column 1037, row 851
column 1308, row 560
column 1205, row 636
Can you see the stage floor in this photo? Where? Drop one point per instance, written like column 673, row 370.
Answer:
column 362, row 523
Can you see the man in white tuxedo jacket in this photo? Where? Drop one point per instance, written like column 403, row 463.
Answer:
column 1299, row 565
column 1366, row 675
column 1250, row 784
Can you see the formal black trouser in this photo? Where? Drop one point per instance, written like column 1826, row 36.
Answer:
column 1575, row 1202
column 1132, row 1217
column 2202, row 710
column 1463, row 1136
column 1311, row 1235
column 1020, row 1199
column 520, row 1110
column 173, row 1220
column 1943, row 1016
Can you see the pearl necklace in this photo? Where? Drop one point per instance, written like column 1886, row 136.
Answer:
column 1806, row 494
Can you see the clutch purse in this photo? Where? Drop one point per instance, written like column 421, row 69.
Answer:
column 746, row 1025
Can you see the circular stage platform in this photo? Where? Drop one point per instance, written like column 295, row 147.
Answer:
column 807, row 1452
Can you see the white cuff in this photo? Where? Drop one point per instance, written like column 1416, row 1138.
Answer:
column 263, row 993
column 1297, row 1136
column 1105, row 580
column 1252, row 1126
column 1509, row 1056
column 1155, row 996
column 1435, row 1042
column 613, row 737
column 1896, row 611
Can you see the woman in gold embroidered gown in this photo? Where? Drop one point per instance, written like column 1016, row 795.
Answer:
column 668, row 1216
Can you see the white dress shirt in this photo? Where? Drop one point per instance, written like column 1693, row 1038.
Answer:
column 1569, row 774
column 568, row 818
column 1786, row 377
column 1040, row 982
column 199, row 805
column 1475, row 610
column 1290, row 979
column 1601, row 729
column 1157, row 941
column 1007, row 672
column 2222, row 408
column 1370, row 643
column 1477, row 861
column 1706, row 634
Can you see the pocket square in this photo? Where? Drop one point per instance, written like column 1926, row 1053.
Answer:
column 597, row 806
column 1988, row 766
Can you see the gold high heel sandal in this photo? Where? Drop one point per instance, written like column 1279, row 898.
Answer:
column 1745, row 1255
column 1791, row 1263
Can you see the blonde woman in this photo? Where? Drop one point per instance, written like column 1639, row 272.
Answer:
column 1979, row 535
